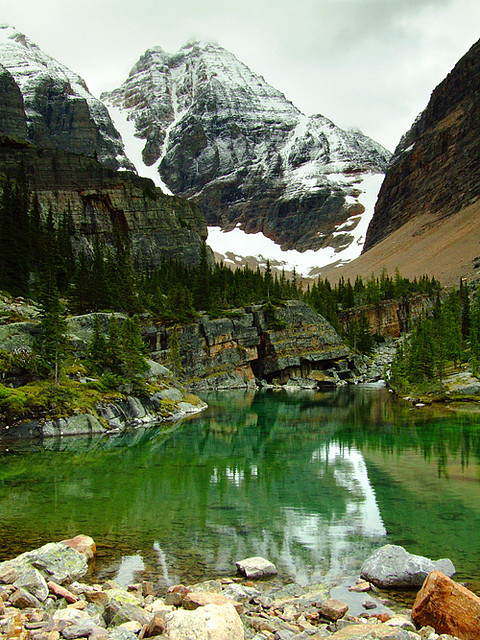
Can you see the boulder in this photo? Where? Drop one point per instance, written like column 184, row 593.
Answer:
column 392, row 567
column 369, row 631
column 32, row 581
column 256, row 567
column 82, row 544
column 57, row 561
column 332, row 609
column 61, row 592
column 197, row 599
column 212, row 622
column 22, row 599
column 448, row 607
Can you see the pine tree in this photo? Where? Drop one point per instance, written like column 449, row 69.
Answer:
column 174, row 357
column 52, row 344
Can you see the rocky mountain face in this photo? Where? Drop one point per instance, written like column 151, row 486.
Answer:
column 435, row 171
column 61, row 113
column 219, row 134
column 297, row 345
column 99, row 198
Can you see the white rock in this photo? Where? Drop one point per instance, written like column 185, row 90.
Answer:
column 256, row 567
column 211, row 622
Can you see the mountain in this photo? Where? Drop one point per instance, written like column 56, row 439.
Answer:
column 219, row 134
column 62, row 168
column 61, row 113
column 426, row 216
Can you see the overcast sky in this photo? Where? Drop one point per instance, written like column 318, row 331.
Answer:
column 370, row 64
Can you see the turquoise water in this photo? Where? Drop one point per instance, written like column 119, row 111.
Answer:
column 314, row 482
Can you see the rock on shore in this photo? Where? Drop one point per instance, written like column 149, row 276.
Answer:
column 33, row 606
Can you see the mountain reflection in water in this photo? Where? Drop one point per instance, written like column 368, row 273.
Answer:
column 314, row 482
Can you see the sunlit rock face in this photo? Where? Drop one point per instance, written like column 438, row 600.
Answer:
column 60, row 111
column 218, row 133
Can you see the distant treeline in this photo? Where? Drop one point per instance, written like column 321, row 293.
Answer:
column 35, row 248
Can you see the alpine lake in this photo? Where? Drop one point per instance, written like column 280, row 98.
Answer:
column 312, row 481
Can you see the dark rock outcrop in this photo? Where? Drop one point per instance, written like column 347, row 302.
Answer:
column 61, row 112
column 255, row 344
column 12, row 113
column 218, row 133
column 158, row 226
column 390, row 318
column 435, row 169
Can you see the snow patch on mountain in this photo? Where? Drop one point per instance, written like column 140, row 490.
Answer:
column 234, row 246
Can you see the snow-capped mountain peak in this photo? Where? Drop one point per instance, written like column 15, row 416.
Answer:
column 60, row 110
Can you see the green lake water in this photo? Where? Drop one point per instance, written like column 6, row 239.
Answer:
column 314, row 482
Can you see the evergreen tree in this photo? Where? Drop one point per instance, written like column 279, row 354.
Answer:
column 52, row 344
column 174, row 357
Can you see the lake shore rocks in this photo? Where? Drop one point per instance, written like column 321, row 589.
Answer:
column 392, row 567
column 223, row 609
column 448, row 607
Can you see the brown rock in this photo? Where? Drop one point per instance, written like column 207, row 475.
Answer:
column 21, row 599
column 332, row 609
column 155, row 627
column 197, row 599
column 97, row 597
column 361, row 587
column 82, row 544
column 448, row 607
column 61, row 592
column 176, row 594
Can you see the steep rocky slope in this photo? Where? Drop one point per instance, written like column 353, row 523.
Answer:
column 61, row 113
column 98, row 198
column 435, row 172
column 250, row 345
column 219, row 134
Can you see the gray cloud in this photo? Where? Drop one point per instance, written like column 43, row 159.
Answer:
column 365, row 63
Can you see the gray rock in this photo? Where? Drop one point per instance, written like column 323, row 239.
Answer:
column 83, row 629
column 392, row 567
column 22, row 599
column 122, row 634
column 256, row 567
column 170, row 393
column 32, row 581
column 58, row 562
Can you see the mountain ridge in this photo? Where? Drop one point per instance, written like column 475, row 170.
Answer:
column 221, row 135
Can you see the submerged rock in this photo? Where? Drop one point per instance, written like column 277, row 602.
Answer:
column 256, row 567
column 392, row 567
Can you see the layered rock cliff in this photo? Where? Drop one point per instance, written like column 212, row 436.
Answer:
column 221, row 135
column 256, row 343
column 435, row 171
column 99, row 198
column 61, row 112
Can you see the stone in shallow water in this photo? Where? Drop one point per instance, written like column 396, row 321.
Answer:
column 392, row 567
column 332, row 609
column 256, row 567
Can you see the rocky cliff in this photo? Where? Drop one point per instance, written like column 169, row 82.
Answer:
column 61, row 112
column 221, row 135
column 435, row 171
column 390, row 318
column 99, row 198
column 158, row 226
column 12, row 112
column 289, row 342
